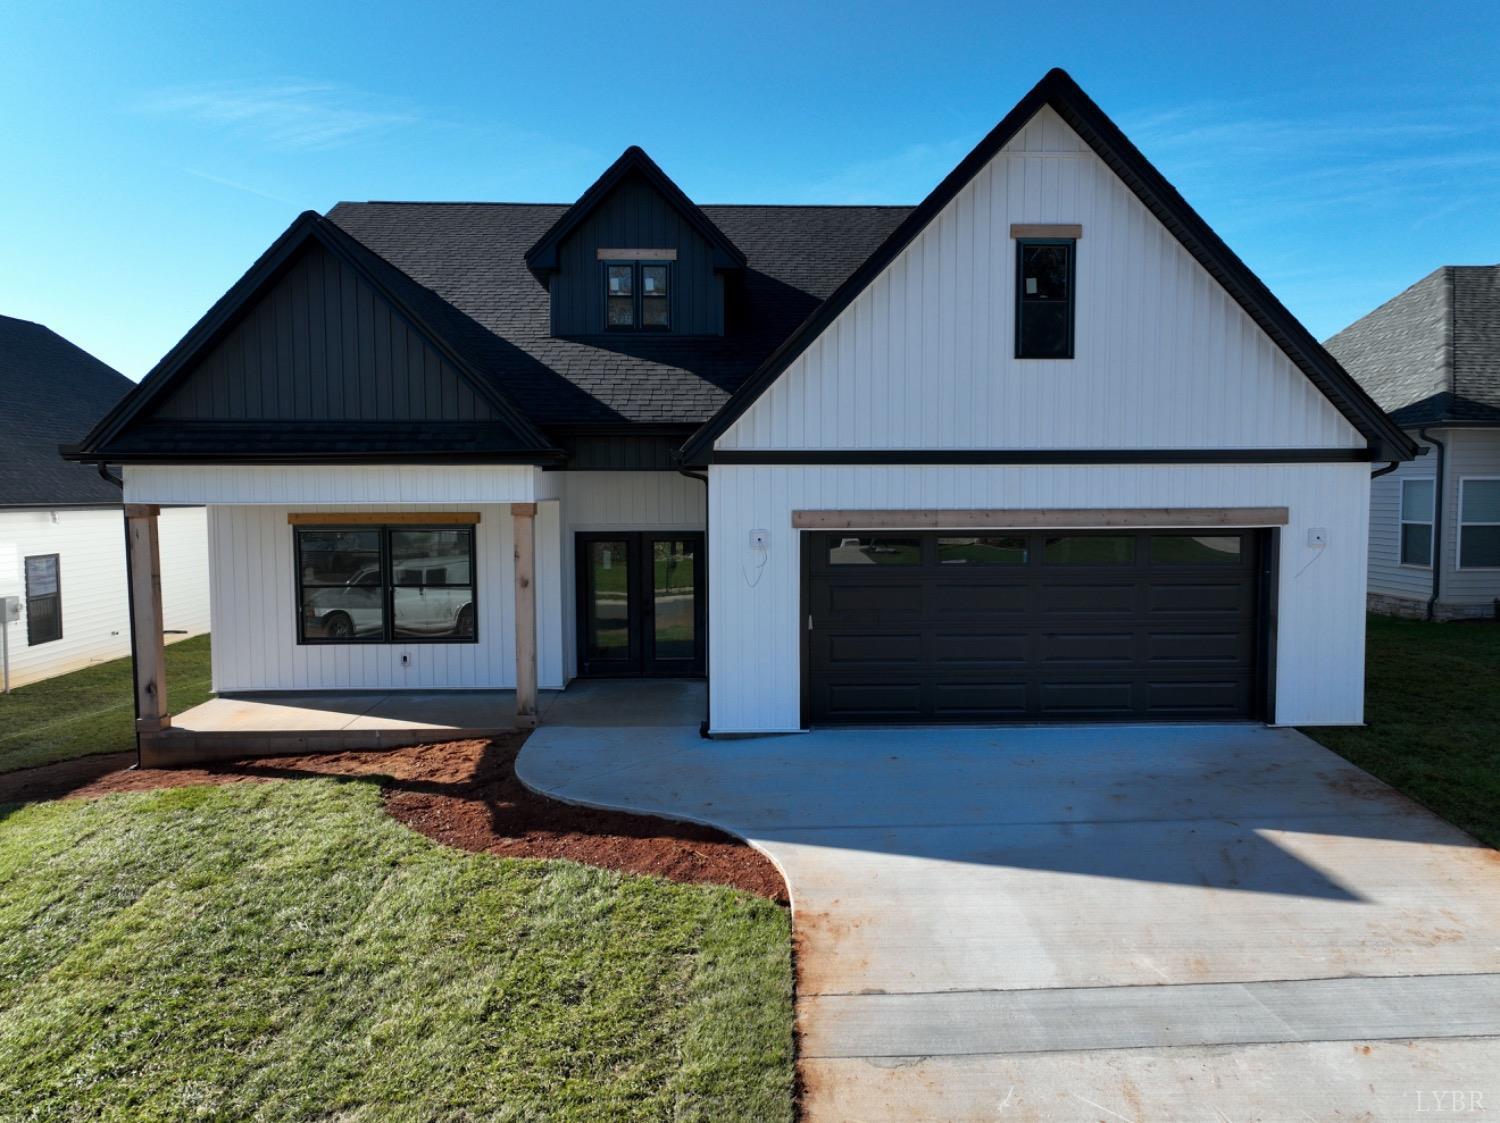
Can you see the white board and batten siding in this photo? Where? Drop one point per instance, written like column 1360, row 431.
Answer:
column 923, row 358
column 90, row 544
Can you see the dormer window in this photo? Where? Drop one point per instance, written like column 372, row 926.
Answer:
column 637, row 295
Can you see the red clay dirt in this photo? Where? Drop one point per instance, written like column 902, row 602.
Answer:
column 463, row 794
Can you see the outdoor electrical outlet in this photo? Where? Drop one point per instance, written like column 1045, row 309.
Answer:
column 1317, row 536
column 760, row 539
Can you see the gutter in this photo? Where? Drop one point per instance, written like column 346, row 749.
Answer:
column 708, row 679
column 1437, row 520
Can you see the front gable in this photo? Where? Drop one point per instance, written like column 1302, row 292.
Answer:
column 319, row 352
column 1177, row 345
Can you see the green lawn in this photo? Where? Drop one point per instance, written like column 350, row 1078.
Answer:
column 1433, row 708
column 92, row 710
column 286, row 951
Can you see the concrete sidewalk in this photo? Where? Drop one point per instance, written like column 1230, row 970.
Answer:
column 1103, row 922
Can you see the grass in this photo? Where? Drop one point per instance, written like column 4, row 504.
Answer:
column 285, row 951
column 1433, row 712
column 92, row 710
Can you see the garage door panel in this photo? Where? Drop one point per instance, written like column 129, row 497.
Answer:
column 980, row 700
column 875, row 599
column 1199, row 598
column 866, row 649
column 968, row 599
column 984, row 647
column 1075, row 598
column 1163, row 629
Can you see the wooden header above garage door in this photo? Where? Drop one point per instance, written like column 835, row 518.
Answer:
column 1038, row 518
column 384, row 518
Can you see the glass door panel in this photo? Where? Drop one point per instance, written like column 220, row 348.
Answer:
column 608, row 637
column 673, row 607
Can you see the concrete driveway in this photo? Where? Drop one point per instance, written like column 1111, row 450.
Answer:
column 1096, row 923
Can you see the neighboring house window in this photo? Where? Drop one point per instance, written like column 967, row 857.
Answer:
column 43, row 599
column 637, row 296
column 385, row 585
column 1479, row 523
column 1044, row 298
column 1416, row 522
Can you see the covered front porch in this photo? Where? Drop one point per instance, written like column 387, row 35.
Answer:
column 239, row 725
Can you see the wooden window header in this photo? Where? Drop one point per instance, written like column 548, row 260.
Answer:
column 383, row 518
column 1045, row 230
column 1080, row 518
column 658, row 254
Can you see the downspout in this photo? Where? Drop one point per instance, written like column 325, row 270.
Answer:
column 1391, row 467
column 708, row 679
column 1437, row 521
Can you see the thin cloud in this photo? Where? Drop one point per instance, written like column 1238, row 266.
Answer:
column 285, row 114
column 235, row 185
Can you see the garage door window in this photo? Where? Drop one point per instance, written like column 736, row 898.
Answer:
column 1195, row 549
column 1089, row 550
column 981, row 551
column 875, row 551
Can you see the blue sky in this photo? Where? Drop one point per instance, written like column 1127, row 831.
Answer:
column 152, row 151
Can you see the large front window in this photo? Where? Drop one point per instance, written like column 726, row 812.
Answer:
column 385, row 584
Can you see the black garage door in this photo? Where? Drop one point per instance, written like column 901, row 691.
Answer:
column 1028, row 626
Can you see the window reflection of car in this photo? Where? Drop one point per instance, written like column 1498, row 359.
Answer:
column 346, row 611
column 424, row 605
column 433, row 596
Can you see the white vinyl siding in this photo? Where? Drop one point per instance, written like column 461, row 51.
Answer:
column 755, row 640
column 1478, row 511
column 1418, row 499
column 923, row 358
column 1472, row 454
column 90, row 544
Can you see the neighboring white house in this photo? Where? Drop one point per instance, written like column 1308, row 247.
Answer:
column 1431, row 356
column 1040, row 448
column 62, row 535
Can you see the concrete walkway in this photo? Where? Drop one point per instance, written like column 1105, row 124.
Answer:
column 1095, row 923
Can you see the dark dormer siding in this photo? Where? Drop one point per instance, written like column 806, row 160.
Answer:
column 635, row 216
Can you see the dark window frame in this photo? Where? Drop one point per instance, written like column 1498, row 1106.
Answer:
column 387, row 587
column 637, row 292
column 1022, row 244
column 32, row 639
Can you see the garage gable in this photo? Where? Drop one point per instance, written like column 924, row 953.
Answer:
column 1177, row 346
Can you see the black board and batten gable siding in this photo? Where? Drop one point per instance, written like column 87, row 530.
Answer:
column 636, row 216
column 323, row 345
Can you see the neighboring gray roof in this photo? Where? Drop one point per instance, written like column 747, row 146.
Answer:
column 495, row 311
column 51, row 393
column 1431, row 354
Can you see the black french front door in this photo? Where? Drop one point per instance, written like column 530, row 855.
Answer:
column 640, row 603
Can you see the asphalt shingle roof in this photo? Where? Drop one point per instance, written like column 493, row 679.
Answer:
column 51, row 393
column 462, row 265
column 1432, row 353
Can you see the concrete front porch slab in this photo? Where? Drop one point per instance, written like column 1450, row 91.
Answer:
column 1100, row 911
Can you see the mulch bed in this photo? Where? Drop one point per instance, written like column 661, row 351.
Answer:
column 463, row 794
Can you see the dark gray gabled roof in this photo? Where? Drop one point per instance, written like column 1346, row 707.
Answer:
column 466, row 266
column 51, row 393
column 1432, row 354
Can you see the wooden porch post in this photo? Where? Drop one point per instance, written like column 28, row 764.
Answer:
column 523, row 521
column 146, row 618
